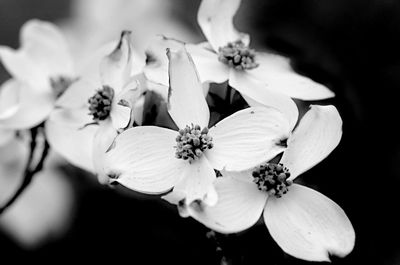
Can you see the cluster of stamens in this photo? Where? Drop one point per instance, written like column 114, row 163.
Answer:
column 191, row 142
column 59, row 84
column 100, row 103
column 272, row 178
column 238, row 55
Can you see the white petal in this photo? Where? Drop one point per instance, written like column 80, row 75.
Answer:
column 210, row 69
column 6, row 136
column 317, row 134
column 143, row 159
column 196, row 182
column 275, row 72
column 78, row 94
column 239, row 206
column 33, row 108
column 9, row 98
column 103, row 139
column 115, row 69
column 120, row 115
column 186, row 102
column 247, row 138
column 215, row 18
column 66, row 135
column 43, row 54
column 308, row 225
column 257, row 93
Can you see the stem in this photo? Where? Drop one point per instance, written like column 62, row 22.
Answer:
column 28, row 172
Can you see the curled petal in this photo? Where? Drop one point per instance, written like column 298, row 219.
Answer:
column 308, row 225
column 66, row 135
column 186, row 102
column 215, row 18
column 116, row 68
column 143, row 159
column 317, row 134
column 247, row 138
column 239, row 206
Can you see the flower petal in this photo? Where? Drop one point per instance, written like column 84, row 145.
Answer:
column 115, row 69
column 308, row 225
column 143, row 159
column 210, row 69
column 186, row 102
column 78, row 94
column 215, row 18
column 43, row 54
column 6, row 136
column 9, row 98
column 66, row 135
column 196, row 182
column 257, row 93
column 247, row 138
column 32, row 108
column 103, row 139
column 275, row 72
column 239, row 206
column 317, row 134
column 120, row 115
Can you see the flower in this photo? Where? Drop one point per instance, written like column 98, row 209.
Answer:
column 94, row 110
column 153, row 160
column 41, row 69
column 227, row 56
column 303, row 222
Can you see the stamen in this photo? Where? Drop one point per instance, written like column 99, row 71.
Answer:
column 100, row 103
column 192, row 141
column 272, row 178
column 59, row 84
column 238, row 56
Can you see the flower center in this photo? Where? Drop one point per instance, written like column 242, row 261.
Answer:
column 191, row 142
column 59, row 84
column 237, row 55
column 100, row 103
column 272, row 178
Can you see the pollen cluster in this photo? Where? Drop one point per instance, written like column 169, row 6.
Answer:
column 238, row 56
column 100, row 103
column 272, row 178
column 191, row 142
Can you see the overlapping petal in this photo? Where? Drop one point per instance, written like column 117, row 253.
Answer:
column 239, row 206
column 317, row 134
column 143, row 159
column 186, row 102
column 215, row 18
column 308, row 225
column 247, row 138
column 9, row 98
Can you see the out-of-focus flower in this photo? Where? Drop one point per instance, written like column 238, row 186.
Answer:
column 304, row 223
column 41, row 69
column 43, row 212
column 152, row 159
column 228, row 57
column 94, row 110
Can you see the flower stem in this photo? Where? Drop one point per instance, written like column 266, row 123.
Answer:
column 29, row 171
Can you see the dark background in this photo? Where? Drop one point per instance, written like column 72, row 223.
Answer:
column 352, row 47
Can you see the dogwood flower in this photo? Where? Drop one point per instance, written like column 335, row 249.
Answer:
column 153, row 160
column 228, row 57
column 41, row 70
column 304, row 223
column 94, row 111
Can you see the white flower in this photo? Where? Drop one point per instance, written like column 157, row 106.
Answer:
column 41, row 70
column 94, row 110
column 304, row 223
column 227, row 57
column 152, row 159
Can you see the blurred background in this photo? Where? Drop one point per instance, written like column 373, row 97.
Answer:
column 352, row 46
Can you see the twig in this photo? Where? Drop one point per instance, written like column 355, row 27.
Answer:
column 28, row 172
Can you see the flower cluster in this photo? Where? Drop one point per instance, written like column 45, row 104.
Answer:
column 226, row 174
